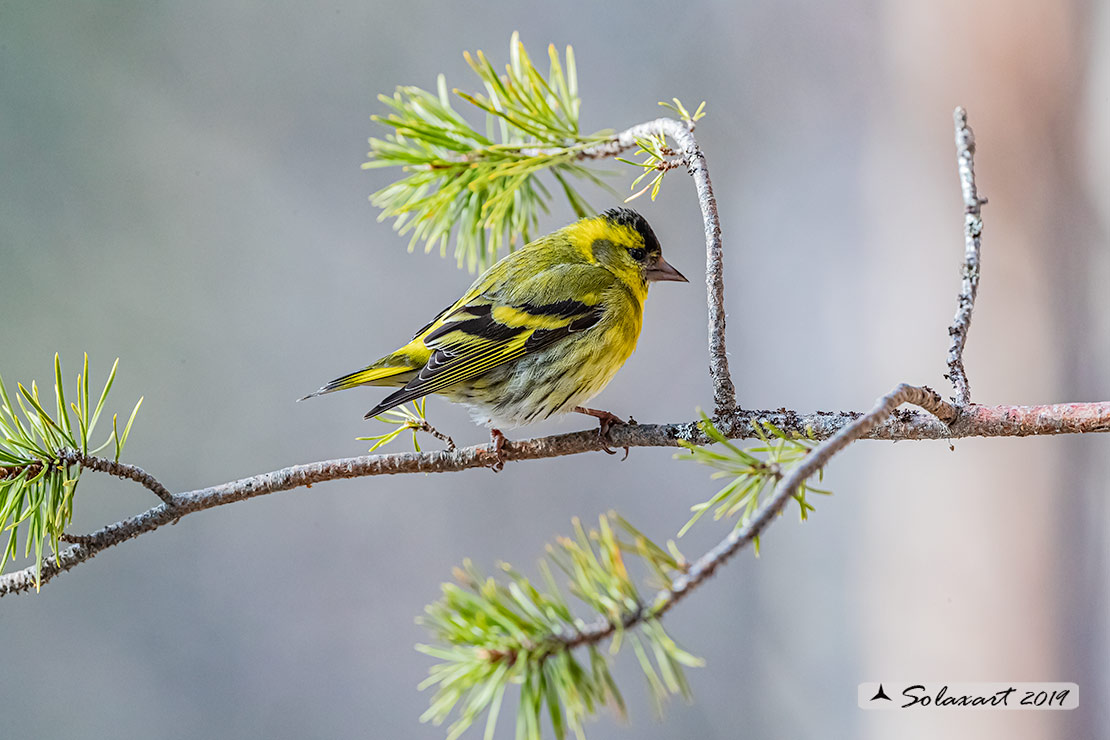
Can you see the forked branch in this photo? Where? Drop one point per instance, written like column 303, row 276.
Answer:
column 739, row 538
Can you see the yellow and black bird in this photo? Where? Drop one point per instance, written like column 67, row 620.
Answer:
column 538, row 334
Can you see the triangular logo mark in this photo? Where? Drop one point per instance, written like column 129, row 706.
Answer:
column 880, row 694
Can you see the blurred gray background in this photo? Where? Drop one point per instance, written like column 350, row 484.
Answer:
column 180, row 187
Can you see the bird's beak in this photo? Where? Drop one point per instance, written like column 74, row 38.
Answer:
column 662, row 270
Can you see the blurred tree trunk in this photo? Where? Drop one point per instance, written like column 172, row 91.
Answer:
column 978, row 568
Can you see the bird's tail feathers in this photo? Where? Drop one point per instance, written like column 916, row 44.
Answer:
column 367, row 376
column 386, row 404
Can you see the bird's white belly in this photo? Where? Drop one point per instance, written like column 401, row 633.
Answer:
column 537, row 387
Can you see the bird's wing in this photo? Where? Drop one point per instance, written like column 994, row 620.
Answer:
column 487, row 328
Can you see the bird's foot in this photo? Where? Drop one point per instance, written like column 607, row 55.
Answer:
column 606, row 421
column 497, row 442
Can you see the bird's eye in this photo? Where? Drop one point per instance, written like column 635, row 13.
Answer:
column 637, row 254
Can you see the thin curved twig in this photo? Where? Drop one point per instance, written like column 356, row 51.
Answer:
column 682, row 133
column 724, row 392
column 973, row 229
column 118, row 469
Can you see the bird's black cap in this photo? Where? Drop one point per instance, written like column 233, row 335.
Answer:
column 628, row 217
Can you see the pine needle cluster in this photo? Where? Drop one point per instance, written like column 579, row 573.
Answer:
column 495, row 632
column 483, row 186
column 754, row 472
column 36, row 482
column 490, row 633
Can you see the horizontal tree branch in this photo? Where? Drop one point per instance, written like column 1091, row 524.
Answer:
column 972, row 421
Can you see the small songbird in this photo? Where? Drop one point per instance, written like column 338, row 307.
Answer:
column 538, row 334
